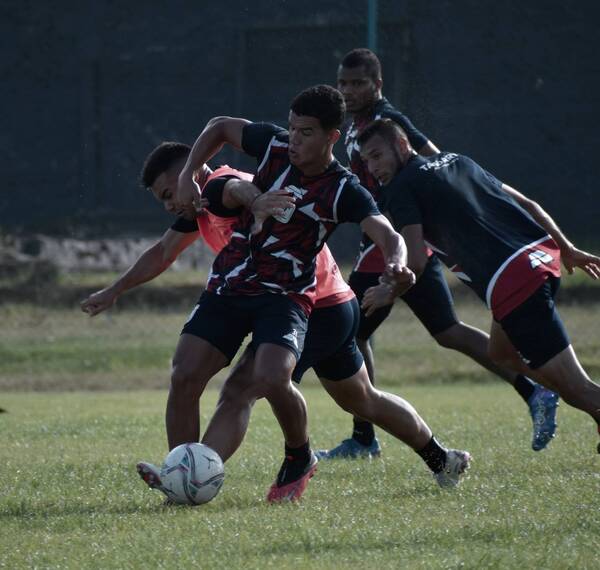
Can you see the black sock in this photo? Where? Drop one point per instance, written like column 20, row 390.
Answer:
column 301, row 453
column 524, row 386
column 297, row 460
column 363, row 432
column 434, row 455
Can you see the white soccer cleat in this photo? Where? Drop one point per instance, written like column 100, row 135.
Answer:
column 457, row 462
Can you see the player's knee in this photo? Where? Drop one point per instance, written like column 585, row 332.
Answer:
column 359, row 402
column 185, row 380
column 268, row 382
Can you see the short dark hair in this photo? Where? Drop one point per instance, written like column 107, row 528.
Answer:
column 323, row 102
column 165, row 155
column 388, row 130
column 366, row 58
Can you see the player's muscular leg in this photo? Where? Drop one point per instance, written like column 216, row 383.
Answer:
column 564, row 374
column 273, row 366
column 474, row 343
column 228, row 426
column 395, row 415
column 367, row 351
column 195, row 362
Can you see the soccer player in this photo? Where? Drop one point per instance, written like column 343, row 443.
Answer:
column 360, row 81
column 262, row 282
column 501, row 244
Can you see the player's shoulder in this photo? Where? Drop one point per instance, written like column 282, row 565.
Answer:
column 274, row 130
column 385, row 110
column 264, row 131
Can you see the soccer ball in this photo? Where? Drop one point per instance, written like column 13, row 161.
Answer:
column 192, row 474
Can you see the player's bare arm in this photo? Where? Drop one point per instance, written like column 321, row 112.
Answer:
column 379, row 229
column 218, row 132
column 391, row 243
column 390, row 287
column 154, row 261
column 571, row 256
column 242, row 193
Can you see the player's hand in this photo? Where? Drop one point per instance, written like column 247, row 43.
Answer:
column 99, row 301
column 377, row 297
column 200, row 204
column 187, row 191
column 588, row 262
column 272, row 203
column 399, row 276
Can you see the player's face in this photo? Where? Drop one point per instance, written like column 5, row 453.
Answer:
column 359, row 90
column 310, row 144
column 164, row 188
column 381, row 159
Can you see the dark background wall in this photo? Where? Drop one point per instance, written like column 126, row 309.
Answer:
column 89, row 88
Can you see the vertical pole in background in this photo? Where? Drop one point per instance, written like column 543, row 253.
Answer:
column 372, row 25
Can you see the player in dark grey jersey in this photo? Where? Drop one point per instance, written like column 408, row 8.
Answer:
column 359, row 79
column 502, row 245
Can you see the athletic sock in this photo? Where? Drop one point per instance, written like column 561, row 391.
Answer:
column 296, row 461
column 301, row 453
column 524, row 386
column 363, row 432
column 434, row 455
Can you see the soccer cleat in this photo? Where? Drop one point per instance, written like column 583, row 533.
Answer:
column 542, row 408
column 457, row 462
column 351, row 449
column 292, row 479
column 150, row 474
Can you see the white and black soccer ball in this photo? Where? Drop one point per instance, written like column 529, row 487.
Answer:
column 192, row 474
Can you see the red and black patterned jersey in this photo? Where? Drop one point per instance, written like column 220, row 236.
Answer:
column 281, row 258
column 370, row 258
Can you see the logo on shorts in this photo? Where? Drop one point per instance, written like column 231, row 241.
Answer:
column 292, row 337
column 539, row 256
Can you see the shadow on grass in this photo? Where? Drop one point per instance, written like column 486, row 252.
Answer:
column 28, row 511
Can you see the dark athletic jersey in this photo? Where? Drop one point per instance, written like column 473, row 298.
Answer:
column 281, row 258
column 370, row 258
column 477, row 229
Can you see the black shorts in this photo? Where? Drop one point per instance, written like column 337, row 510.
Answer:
column 330, row 345
column 429, row 299
column 535, row 328
column 225, row 320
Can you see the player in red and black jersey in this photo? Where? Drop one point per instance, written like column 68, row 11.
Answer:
column 262, row 281
column 502, row 245
column 360, row 81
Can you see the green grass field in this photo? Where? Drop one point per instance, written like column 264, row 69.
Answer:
column 71, row 498
column 82, row 408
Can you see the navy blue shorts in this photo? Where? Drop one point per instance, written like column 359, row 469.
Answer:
column 330, row 345
column 429, row 299
column 225, row 320
column 535, row 327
